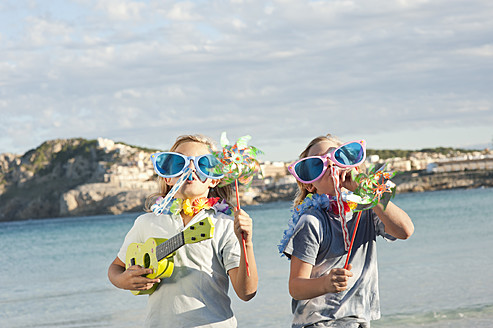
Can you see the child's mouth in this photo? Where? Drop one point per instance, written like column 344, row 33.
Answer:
column 193, row 178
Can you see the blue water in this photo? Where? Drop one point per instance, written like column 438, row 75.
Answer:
column 53, row 271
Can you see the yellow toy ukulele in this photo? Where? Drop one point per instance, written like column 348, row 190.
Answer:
column 157, row 253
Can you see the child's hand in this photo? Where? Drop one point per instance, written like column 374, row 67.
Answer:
column 347, row 180
column 134, row 278
column 337, row 279
column 243, row 226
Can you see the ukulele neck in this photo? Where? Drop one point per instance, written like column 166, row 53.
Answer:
column 169, row 246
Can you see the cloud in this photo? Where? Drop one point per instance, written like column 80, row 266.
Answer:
column 42, row 32
column 183, row 11
column 121, row 10
column 281, row 71
column 485, row 50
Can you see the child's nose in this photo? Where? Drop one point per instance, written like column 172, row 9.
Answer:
column 191, row 165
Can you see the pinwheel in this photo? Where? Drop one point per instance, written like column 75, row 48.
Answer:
column 373, row 187
column 239, row 164
column 239, row 161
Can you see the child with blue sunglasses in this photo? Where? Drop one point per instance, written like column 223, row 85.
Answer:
column 324, row 292
column 196, row 293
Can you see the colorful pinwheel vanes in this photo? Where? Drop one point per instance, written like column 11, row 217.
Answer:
column 238, row 161
column 373, row 187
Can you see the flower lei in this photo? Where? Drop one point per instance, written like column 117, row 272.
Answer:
column 323, row 202
column 191, row 208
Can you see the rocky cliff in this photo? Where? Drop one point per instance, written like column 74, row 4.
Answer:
column 75, row 177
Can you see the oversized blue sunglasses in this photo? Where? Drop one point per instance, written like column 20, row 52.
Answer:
column 170, row 165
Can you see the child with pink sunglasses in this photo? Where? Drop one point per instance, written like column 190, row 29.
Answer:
column 324, row 293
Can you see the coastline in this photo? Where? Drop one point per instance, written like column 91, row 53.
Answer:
column 125, row 200
column 407, row 182
column 424, row 181
column 79, row 177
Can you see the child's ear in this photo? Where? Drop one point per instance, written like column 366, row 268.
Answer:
column 310, row 188
column 167, row 181
column 214, row 182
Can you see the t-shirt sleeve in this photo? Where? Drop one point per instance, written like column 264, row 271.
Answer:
column 306, row 239
column 133, row 236
column 228, row 246
column 380, row 227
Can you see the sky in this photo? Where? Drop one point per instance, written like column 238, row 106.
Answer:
column 406, row 74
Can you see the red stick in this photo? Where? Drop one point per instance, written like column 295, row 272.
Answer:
column 237, row 195
column 242, row 237
column 352, row 240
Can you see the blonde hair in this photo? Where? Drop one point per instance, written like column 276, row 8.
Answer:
column 302, row 191
column 225, row 192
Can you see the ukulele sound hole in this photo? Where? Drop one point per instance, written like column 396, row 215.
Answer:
column 147, row 260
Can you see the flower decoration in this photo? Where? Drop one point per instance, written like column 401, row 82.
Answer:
column 346, row 205
column 222, row 207
column 176, row 206
column 311, row 201
column 187, row 207
column 237, row 158
column 193, row 207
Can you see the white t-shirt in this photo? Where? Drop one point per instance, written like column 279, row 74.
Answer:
column 196, row 294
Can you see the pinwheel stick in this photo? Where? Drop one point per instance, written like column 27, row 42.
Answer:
column 242, row 237
column 369, row 185
column 239, row 164
column 352, row 240
column 237, row 195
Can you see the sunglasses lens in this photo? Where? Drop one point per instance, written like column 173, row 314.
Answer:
column 169, row 164
column 309, row 169
column 207, row 164
column 350, row 154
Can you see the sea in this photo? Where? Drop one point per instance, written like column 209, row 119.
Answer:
column 53, row 272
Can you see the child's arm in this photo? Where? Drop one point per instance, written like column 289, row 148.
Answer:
column 245, row 286
column 397, row 222
column 302, row 287
column 132, row 279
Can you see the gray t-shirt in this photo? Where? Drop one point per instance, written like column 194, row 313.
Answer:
column 318, row 240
